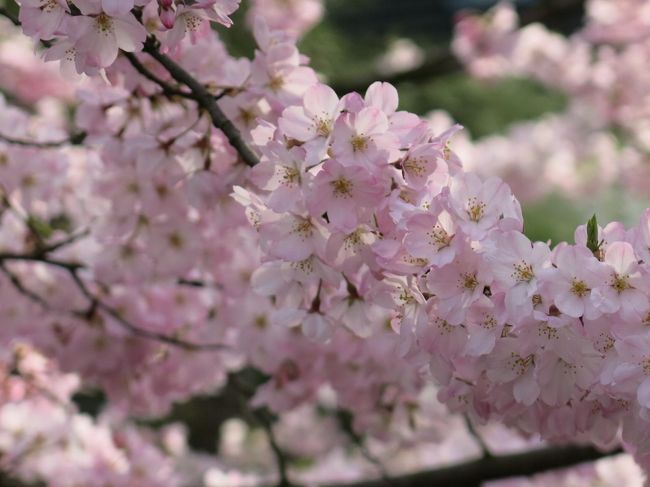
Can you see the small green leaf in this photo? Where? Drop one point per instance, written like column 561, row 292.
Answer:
column 592, row 234
column 40, row 227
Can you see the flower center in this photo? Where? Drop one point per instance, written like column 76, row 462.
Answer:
column 645, row 364
column 104, row 24
column 523, row 272
column 475, row 209
column 304, row 228
column 291, row 175
column 439, row 237
column 579, row 288
column 414, row 166
column 468, row 281
column 275, row 83
column 359, row 143
column 323, row 127
column 342, row 187
column 620, row 283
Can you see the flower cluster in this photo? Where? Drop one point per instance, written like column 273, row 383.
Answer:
column 87, row 35
column 358, row 266
column 361, row 207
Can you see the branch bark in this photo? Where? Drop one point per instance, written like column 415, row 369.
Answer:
column 474, row 473
column 206, row 100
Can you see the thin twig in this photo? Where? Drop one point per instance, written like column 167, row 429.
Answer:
column 67, row 241
column 95, row 302
column 168, row 89
column 16, row 282
column 479, row 439
column 75, row 139
column 263, row 417
column 73, row 269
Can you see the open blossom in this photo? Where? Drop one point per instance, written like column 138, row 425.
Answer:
column 281, row 172
column 313, row 122
column 460, row 284
column 480, row 205
column 432, row 236
column 347, row 194
column 577, row 272
column 293, row 237
column 98, row 37
column 517, row 263
column 42, row 18
column 632, row 372
column 363, row 138
column 626, row 286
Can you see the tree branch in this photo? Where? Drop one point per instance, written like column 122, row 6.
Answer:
column 479, row 439
column 142, row 69
column 75, row 139
column 476, row 472
column 95, row 303
column 264, row 418
column 206, row 100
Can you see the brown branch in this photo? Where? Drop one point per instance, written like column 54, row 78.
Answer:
column 474, row 473
column 206, row 100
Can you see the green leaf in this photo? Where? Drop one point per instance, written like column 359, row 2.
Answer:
column 592, row 234
column 40, row 227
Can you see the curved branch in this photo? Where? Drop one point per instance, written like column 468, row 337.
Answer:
column 476, row 472
column 73, row 269
column 142, row 69
column 74, row 139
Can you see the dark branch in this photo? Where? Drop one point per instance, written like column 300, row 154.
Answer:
column 166, row 87
column 73, row 269
column 75, row 139
column 479, row 439
column 16, row 282
column 264, row 418
column 95, row 302
column 475, row 473
column 206, row 100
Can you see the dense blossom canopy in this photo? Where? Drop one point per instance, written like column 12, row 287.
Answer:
column 204, row 214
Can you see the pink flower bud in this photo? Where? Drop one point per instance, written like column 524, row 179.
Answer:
column 167, row 17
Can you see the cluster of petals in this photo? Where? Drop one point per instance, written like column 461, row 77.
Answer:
column 357, row 258
column 361, row 206
column 86, row 35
